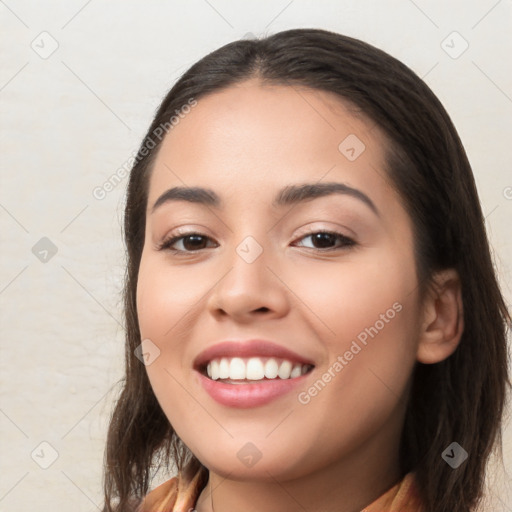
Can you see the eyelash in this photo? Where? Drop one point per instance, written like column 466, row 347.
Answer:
column 167, row 243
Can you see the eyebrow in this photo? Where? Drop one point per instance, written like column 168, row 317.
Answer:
column 289, row 195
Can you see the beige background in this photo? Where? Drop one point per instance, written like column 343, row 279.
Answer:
column 69, row 120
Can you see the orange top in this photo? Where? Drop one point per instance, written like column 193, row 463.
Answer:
column 180, row 495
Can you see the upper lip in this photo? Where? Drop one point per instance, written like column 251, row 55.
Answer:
column 248, row 348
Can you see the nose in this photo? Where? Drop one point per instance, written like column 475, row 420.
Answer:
column 249, row 289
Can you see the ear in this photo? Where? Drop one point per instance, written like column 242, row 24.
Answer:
column 443, row 320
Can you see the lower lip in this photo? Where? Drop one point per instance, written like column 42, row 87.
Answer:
column 244, row 396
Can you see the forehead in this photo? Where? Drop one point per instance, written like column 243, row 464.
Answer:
column 252, row 135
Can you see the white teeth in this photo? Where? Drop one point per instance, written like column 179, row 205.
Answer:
column 214, row 369
column 285, row 370
column 271, row 368
column 296, row 371
column 254, row 368
column 223, row 368
column 236, row 368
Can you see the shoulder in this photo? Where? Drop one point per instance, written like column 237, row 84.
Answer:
column 402, row 497
column 160, row 499
column 177, row 494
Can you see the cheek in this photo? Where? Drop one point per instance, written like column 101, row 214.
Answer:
column 360, row 389
column 169, row 309
column 369, row 309
column 370, row 306
column 165, row 300
column 358, row 293
column 164, row 297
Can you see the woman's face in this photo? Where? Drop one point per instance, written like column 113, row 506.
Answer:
column 257, row 269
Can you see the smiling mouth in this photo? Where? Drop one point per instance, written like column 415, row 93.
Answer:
column 238, row 370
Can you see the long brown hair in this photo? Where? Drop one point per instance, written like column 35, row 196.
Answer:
column 459, row 399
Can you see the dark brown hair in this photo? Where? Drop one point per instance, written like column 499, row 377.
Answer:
column 459, row 399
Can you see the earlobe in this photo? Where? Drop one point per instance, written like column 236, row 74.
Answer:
column 443, row 322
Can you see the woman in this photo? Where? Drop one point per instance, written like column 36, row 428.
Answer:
column 313, row 320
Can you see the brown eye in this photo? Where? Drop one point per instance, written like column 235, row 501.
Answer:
column 324, row 240
column 190, row 242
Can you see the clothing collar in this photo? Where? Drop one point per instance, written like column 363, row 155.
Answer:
column 180, row 494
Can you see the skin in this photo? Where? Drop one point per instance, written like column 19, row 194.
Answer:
column 340, row 450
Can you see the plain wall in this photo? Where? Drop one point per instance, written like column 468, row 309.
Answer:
column 71, row 119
